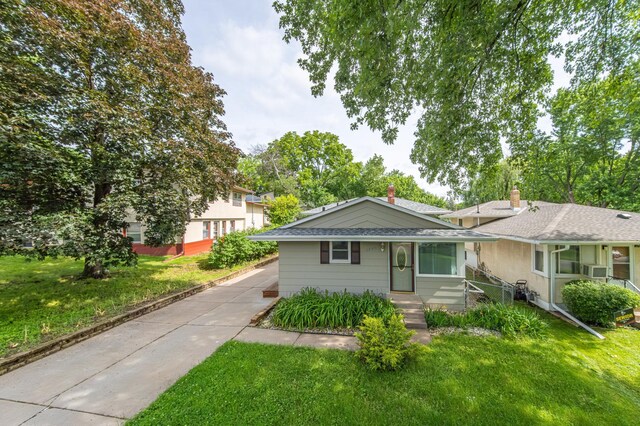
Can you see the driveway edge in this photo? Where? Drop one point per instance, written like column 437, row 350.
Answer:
column 63, row 342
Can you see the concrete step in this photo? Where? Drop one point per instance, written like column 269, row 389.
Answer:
column 413, row 317
column 416, row 310
column 416, row 326
column 408, row 305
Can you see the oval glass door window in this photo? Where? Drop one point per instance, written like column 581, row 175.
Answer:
column 401, row 258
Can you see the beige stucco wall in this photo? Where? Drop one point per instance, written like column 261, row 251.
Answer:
column 221, row 209
column 439, row 292
column 255, row 216
column 511, row 261
column 636, row 280
column 368, row 214
column 300, row 267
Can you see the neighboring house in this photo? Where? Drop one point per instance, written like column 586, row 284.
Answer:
column 374, row 244
column 549, row 244
column 232, row 213
column 256, row 212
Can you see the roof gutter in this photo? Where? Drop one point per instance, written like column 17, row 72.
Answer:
column 552, row 285
column 367, row 238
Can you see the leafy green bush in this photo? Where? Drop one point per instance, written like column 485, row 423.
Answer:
column 235, row 248
column 595, row 302
column 384, row 345
column 511, row 321
column 313, row 309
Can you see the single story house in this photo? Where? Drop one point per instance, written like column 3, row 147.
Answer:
column 375, row 244
column 238, row 211
column 549, row 244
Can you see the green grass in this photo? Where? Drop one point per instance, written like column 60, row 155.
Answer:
column 41, row 300
column 570, row 378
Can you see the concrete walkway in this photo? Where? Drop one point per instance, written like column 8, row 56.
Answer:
column 111, row 377
column 281, row 337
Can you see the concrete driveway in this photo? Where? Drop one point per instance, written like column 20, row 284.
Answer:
column 111, row 377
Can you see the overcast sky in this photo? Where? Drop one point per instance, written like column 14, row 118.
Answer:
column 267, row 93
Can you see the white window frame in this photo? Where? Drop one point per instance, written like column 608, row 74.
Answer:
column 141, row 241
column 208, row 237
column 237, row 202
column 545, row 259
column 347, row 260
column 565, row 275
column 460, row 260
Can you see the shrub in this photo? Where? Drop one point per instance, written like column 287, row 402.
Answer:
column 235, row 248
column 595, row 302
column 384, row 345
column 312, row 309
column 511, row 321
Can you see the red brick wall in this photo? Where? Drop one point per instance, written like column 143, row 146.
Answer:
column 167, row 250
column 197, row 247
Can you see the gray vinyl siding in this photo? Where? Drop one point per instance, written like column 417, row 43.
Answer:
column 370, row 215
column 437, row 292
column 300, row 267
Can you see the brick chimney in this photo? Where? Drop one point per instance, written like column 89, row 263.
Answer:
column 391, row 194
column 515, row 198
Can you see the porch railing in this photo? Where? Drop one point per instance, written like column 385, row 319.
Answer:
column 622, row 282
column 477, row 291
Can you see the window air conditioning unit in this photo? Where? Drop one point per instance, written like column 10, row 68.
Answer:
column 594, row 271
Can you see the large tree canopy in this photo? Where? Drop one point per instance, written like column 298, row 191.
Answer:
column 319, row 169
column 475, row 71
column 101, row 114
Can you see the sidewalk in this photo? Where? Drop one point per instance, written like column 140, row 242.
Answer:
column 111, row 377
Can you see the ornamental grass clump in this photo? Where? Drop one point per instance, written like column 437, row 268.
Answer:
column 313, row 309
column 596, row 302
column 510, row 321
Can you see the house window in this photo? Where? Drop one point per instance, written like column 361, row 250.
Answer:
column 437, row 259
column 232, row 225
column 134, row 232
column 568, row 261
column 224, row 227
column 538, row 259
column 340, row 252
column 216, row 229
column 621, row 262
column 206, row 230
column 237, row 199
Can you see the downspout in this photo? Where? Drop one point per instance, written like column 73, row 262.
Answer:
column 552, row 287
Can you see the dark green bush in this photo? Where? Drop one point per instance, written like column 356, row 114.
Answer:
column 595, row 302
column 511, row 321
column 385, row 346
column 235, row 248
column 313, row 309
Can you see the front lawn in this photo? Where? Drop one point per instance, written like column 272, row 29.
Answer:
column 569, row 378
column 40, row 300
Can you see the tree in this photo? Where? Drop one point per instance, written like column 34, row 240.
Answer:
column 101, row 114
column 315, row 166
column 593, row 154
column 283, row 209
column 474, row 71
column 492, row 183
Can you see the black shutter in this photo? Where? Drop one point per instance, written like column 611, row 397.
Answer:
column 355, row 252
column 324, row 251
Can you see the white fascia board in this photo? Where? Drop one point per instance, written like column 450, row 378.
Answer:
column 371, row 238
column 377, row 201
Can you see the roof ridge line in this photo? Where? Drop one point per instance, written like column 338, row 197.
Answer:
column 561, row 214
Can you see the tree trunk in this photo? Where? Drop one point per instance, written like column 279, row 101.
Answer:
column 94, row 270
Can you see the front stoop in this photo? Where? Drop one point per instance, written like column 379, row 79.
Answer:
column 412, row 308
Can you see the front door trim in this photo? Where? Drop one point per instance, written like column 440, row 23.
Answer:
column 413, row 265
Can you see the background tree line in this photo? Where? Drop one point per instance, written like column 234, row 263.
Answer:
column 591, row 156
column 318, row 169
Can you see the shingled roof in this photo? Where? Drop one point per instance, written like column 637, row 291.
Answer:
column 371, row 234
column 561, row 223
column 491, row 209
column 407, row 204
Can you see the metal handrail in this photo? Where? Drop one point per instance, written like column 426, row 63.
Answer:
column 475, row 289
column 625, row 282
